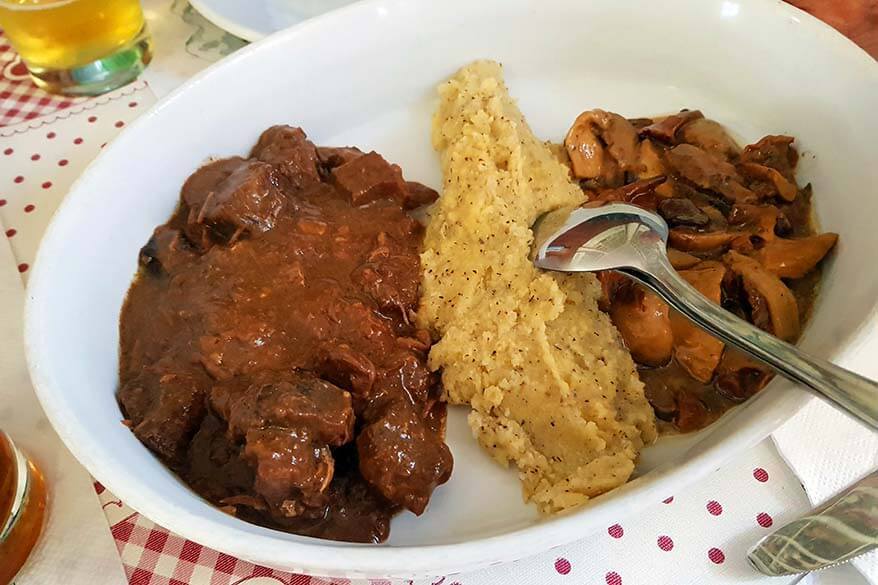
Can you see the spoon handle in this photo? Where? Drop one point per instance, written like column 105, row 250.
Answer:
column 856, row 395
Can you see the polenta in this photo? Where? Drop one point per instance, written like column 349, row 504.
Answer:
column 551, row 387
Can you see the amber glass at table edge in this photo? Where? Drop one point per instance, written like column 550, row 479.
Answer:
column 78, row 47
column 22, row 508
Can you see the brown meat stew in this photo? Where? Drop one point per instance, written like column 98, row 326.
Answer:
column 741, row 233
column 268, row 352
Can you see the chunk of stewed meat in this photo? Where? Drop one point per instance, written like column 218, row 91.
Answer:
column 248, row 201
column 356, row 512
column 368, row 178
column 386, row 280
column 166, row 250
column 418, row 194
column 402, row 458
column 292, row 470
column 164, row 411
column 289, row 400
column 290, row 151
column 409, row 377
column 331, row 157
column 707, row 171
column 216, row 469
column 348, row 368
column 666, row 128
column 287, row 422
column 208, row 179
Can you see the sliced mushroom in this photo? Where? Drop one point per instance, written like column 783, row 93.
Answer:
column 710, row 172
column 776, row 152
column 682, row 260
column 759, row 220
column 585, row 149
column 651, row 165
column 744, row 244
column 611, row 282
column 773, row 306
column 643, row 320
column 682, row 212
column 738, row 377
column 702, row 198
column 666, row 128
column 640, row 193
column 640, row 123
column 783, row 227
column 602, row 146
column 692, row 414
column 798, row 213
column 689, row 240
column 695, row 350
column 661, row 390
column 777, row 184
column 795, row 258
column 710, row 137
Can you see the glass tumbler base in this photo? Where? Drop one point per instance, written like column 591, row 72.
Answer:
column 99, row 76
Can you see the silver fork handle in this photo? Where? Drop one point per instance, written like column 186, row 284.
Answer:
column 856, row 395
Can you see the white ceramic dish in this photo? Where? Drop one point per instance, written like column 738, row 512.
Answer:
column 365, row 75
column 256, row 19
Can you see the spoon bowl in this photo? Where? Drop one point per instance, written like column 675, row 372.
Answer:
column 591, row 239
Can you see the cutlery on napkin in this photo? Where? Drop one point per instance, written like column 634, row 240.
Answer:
column 840, row 530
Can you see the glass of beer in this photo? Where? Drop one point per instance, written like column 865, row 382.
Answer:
column 22, row 508
column 78, row 47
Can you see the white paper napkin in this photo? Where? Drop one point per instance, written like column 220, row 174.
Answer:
column 76, row 547
column 847, row 451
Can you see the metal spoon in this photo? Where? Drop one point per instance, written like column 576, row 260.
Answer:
column 633, row 242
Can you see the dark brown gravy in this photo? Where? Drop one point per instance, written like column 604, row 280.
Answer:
column 268, row 352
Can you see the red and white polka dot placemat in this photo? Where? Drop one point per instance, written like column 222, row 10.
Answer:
column 42, row 157
column 20, row 99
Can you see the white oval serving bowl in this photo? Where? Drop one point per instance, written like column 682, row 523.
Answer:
column 365, row 75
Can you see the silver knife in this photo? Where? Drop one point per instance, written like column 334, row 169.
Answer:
column 843, row 528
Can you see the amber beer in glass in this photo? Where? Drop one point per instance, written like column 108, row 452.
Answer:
column 78, row 47
column 22, row 508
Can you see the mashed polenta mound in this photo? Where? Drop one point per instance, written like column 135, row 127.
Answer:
column 552, row 388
